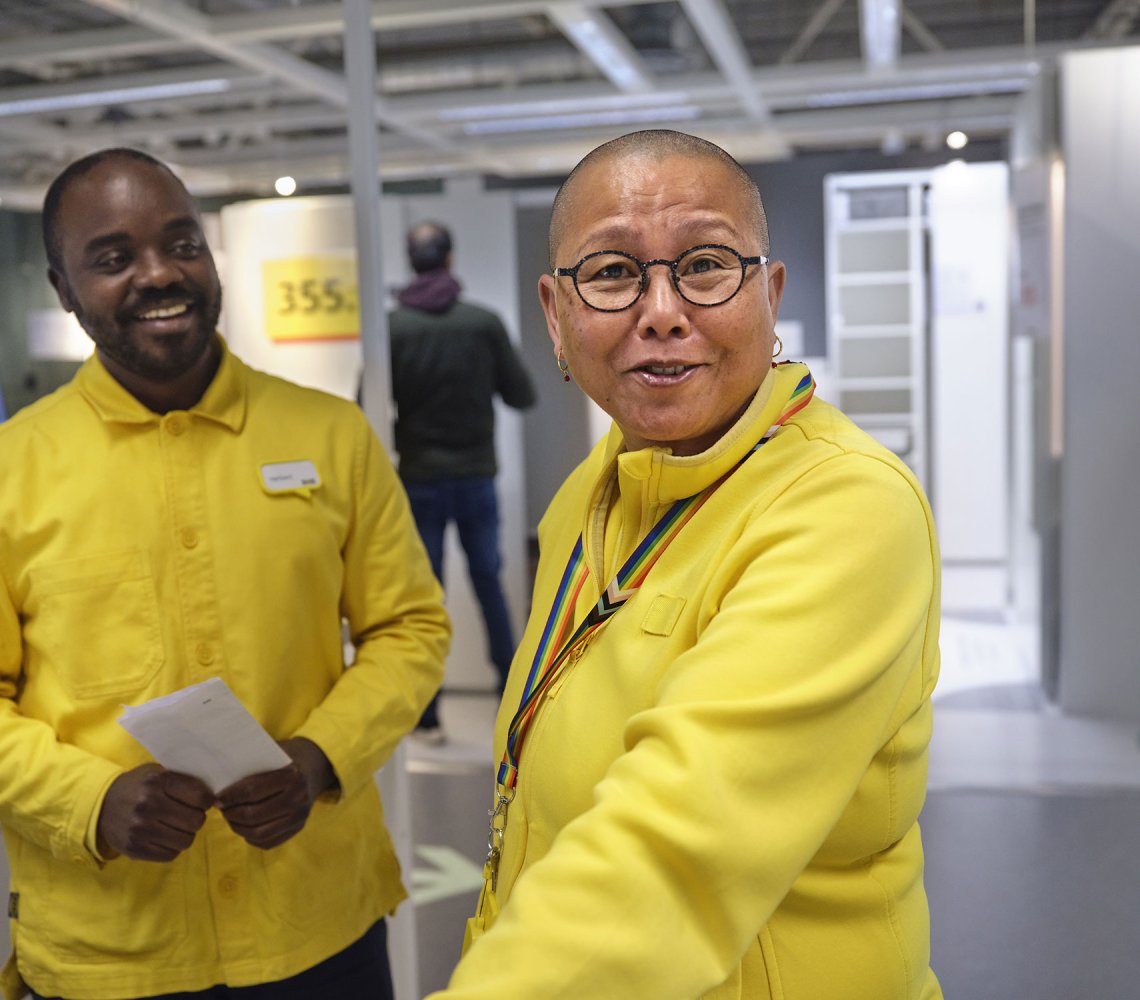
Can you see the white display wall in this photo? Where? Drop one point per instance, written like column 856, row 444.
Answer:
column 1099, row 626
column 970, row 376
column 290, row 260
column 918, row 335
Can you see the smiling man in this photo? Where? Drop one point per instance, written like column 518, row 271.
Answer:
column 169, row 516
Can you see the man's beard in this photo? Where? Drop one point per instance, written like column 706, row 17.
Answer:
column 170, row 356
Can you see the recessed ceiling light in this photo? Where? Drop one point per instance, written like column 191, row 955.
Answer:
column 285, row 186
column 957, row 140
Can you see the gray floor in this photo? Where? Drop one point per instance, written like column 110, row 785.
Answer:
column 1032, row 833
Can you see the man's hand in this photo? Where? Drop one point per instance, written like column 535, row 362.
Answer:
column 151, row 814
column 267, row 809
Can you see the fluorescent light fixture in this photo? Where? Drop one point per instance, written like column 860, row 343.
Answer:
column 957, row 139
column 538, row 123
column 915, row 92
column 285, row 186
column 120, row 95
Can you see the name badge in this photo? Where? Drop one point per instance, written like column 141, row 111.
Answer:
column 290, row 477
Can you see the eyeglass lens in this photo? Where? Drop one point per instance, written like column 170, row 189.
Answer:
column 705, row 276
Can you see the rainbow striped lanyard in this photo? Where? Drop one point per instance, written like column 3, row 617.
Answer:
column 555, row 651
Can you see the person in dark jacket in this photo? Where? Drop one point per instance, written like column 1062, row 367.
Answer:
column 449, row 360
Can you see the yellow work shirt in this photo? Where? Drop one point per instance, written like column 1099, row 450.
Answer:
column 142, row 553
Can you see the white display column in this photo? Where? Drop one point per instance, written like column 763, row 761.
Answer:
column 290, row 289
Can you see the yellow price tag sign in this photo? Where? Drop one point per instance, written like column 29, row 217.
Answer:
column 311, row 298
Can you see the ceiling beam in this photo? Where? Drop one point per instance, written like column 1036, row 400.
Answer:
column 879, row 29
column 920, row 32
column 712, row 23
column 822, row 17
column 33, row 52
column 601, row 41
column 174, row 18
column 312, row 20
column 287, row 24
column 33, row 133
column 783, row 87
column 147, row 131
column 1116, row 20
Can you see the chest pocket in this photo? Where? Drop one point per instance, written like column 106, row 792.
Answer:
column 94, row 624
column 662, row 615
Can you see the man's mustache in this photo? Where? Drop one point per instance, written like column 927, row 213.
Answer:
column 153, row 297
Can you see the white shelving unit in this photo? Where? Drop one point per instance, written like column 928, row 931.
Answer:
column 877, row 306
column 918, row 345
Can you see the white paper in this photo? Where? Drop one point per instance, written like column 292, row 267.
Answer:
column 203, row 730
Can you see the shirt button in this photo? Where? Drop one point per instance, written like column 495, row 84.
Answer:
column 228, row 885
column 176, row 424
column 189, row 537
column 205, row 653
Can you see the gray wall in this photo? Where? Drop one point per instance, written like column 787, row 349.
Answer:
column 23, row 287
column 556, row 434
column 1100, row 538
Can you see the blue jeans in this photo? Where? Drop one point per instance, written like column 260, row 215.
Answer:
column 360, row 972
column 472, row 505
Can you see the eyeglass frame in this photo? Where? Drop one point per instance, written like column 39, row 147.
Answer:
column 644, row 266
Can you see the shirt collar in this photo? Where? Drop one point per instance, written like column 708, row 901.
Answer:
column 224, row 401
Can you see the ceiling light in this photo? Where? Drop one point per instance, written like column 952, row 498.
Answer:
column 957, row 140
column 285, row 186
column 119, row 95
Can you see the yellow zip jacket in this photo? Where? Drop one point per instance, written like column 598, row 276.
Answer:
column 719, row 798
column 143, row 553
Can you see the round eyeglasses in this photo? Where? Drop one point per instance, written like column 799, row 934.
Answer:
column 612, row 280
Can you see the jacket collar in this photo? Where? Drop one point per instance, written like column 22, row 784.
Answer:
column 668, row 477
column 224, row 401
column 634, row 487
